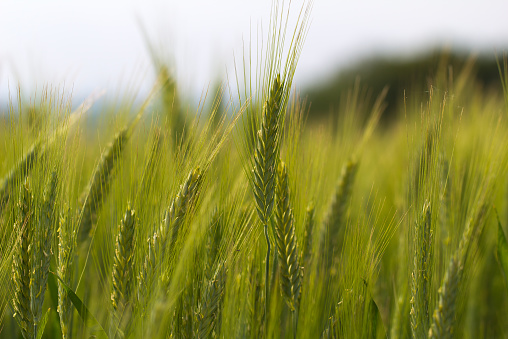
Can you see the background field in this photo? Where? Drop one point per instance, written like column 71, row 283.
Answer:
column 371, row 206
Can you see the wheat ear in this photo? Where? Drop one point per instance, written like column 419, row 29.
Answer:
column 286, row 242
column 98, row 187
column 123, row 261
column 43, row 236
column 157, row 243
column 209, row 315
column 421, row 275
column 335, row 217
column 22, row 263
column 444, row 314
column 264, row 171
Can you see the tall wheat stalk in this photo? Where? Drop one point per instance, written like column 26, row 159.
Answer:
column 421, row 276
column 265, row 162
column 22, row 263
column 123, row 264
column 289, row 266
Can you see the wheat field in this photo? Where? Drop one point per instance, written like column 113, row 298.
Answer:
column 245, row 218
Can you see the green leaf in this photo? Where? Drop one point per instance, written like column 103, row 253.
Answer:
column 42, row 324
column 502, row 250
column 83, row 311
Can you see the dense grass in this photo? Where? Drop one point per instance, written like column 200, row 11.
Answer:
column 240, row 219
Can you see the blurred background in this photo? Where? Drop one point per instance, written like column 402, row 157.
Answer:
column 84, row 47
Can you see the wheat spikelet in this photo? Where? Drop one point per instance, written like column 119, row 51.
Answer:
column 98, row 187
column 286, row 242
column 123, row 261
column 444, row 315
column 421, row 275
column 22, row 263
column 43, row 236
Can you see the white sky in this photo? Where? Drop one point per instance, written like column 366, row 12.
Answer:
column 93, row 45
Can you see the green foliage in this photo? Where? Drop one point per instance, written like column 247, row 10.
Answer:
column 402, row 245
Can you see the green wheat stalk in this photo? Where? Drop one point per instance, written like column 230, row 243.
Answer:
column 421, row 276
column 123, row 263
column 43, row 236
column 290, row 278
column 264, row 171
column 22, row 263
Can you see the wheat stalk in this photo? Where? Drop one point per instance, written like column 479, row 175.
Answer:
column 123, row 262
column 308, row 228
column 157, row 243
column 264, row 171
column 421, row 275
column 335, row 217
column 209, row 315
column 43, row 236
column 98, row 187
column 67, row 237
column 22, row 263
column 286, row 242
column 444, row 314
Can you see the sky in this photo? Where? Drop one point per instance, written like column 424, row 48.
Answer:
column 89, row 46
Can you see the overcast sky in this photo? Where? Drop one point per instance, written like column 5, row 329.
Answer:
column 93, row 45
